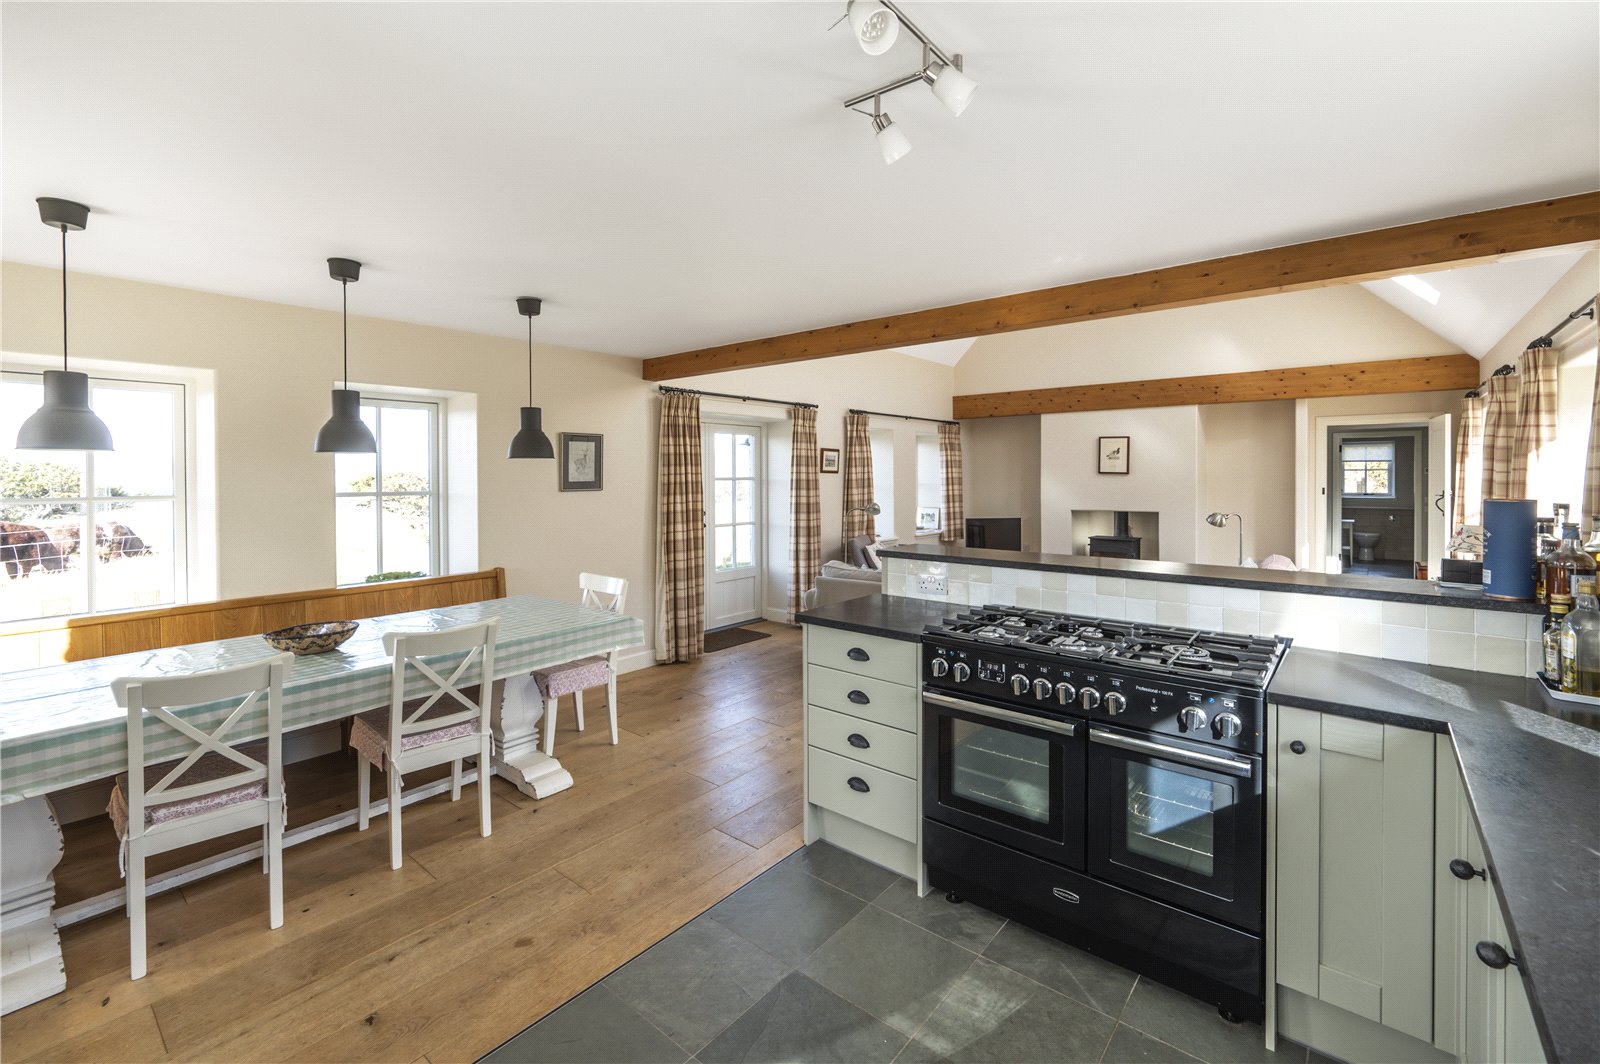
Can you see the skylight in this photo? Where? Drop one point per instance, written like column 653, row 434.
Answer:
column 1417, row 287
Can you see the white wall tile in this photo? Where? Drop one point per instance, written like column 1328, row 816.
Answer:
column 1082, row 582
column 1110, row 585
column 1366, row 611
column 1169, row 592
column 956, row 591
column 1272, row 624
column 1113, row 607
column 1142, row 610
column 1404, row 643
column 1030, row 578
column 1241, row 622
column 1318, row 637
column 1205, row 617
column 1360, row 637
column 1241, row 598
column 1410, row 614
column 894, row 583
column 1057, row 581
column 979, row 592
column 1204, row 595
column 978, row 574
column 1028, row 597
column 1535, row 663
column 1174, row 613
column 1533, row 626
column 1278, row 601
column 1054, row 599
column 1453, row 650
column 1000, row 596
column 1005, row 577
column 1145, row 590
column 1501, row 625
column 1449, row 619
column 1508, row 657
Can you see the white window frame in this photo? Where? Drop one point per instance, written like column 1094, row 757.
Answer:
column 437, row 492
column 1366, row 463
column 182, row 479
column 938, row 457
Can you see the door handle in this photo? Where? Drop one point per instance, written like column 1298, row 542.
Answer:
column 1233, row 766
column 1062, row 727
column 1495, row 955
column 1439, row 502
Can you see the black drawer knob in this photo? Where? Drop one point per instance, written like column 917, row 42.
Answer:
column 858, row 697
column 859, row 784
column 1297, row 747
column 857, row 654
column 857, row 740
column 1495, row 956
column 1462, row 869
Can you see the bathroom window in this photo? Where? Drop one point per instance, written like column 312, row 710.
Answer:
column 1368, row 468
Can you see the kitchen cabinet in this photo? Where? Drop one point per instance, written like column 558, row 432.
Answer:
column 1483, row 1013
column 863, row 746
column 1353, row 902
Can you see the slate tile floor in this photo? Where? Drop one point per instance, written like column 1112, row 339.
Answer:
column 826, row 957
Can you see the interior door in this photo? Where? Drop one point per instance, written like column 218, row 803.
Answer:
column 1441, row 486
column 735, row 574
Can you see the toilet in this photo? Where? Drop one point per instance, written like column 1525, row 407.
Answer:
column 1365, row 542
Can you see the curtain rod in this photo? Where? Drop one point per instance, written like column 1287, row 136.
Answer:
column 905, row 417
column 1548, row 339
column 668, row 389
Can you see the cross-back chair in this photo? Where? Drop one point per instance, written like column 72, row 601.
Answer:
column 212, row 790
column 574, row 677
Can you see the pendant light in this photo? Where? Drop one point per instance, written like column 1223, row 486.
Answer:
column 530, row 440
column 64, row 422
column 345, row 432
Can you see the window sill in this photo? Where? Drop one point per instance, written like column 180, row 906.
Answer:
column 924, row 534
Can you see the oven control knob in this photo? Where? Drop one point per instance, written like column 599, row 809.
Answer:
column 1192, row 718
column 940, row 666
column 1066, row 693
column 1088, row 698
column 1042, row 689
column 961, row 671
column 1116, row 702
column 1019, row 684
column 1227, row 726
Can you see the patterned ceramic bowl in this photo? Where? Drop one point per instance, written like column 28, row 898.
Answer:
column 319, row 637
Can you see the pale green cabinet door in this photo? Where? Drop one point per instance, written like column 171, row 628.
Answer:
column 1355, row 867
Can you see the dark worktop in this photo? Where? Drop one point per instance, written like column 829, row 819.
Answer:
column 1387, row 589
column 1533, row 778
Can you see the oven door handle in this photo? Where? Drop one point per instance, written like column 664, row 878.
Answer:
column 1061, row 727
column 1233, row 766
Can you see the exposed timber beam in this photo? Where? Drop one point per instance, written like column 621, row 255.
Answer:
column 1434, row 373
column 1484, row 236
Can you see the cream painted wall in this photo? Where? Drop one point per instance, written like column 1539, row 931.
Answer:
column 1000, row 459
column 1247, row 467
column 1312, row 328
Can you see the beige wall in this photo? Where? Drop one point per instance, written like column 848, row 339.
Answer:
column 273, row 366
column 1247, row 467
column 1000, row 459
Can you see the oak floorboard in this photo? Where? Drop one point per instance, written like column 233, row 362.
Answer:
column 474, row 938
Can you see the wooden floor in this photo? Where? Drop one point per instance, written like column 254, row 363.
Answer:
column 474, row 938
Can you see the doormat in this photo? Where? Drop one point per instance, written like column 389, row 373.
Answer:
column 732, row 637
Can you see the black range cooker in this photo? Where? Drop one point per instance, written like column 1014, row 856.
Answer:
column 1102, row 781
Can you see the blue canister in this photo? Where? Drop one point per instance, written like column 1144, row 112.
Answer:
column 1508, row 548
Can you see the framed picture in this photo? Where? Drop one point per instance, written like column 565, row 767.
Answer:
column 582, row 461
column 1114, row 454
column 927, row 518
column 830, row 460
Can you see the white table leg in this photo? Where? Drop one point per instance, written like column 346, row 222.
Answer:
column 30, row 948
column 517, row 756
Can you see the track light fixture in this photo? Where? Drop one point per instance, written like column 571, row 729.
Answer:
column 875, row 26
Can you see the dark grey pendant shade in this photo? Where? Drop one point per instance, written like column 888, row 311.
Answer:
column 64, row 422
column 530, row 440
column 345, row 432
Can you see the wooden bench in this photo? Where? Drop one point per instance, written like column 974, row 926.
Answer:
column 30, row 644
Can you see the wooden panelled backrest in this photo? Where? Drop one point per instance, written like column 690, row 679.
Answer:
column 49, row 642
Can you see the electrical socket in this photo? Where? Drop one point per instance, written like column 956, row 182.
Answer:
column 932, row 585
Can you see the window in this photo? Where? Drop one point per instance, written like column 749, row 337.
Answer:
column 95, row 531
column 389, row 505
column 930, row 486
column 1368, row 468
column 734, row 487
column 883, row 480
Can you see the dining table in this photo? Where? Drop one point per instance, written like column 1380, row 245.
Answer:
column 60, row 727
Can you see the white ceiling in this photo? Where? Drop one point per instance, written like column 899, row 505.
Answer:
column 675, row 175
column 1478, row 305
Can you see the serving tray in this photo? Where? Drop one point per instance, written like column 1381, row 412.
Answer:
column 1556, row 694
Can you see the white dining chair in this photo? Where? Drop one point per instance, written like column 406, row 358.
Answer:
column 212, row 790
column 608, row 593
column 447, row 724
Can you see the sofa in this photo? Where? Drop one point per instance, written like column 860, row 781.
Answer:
column 841, row 582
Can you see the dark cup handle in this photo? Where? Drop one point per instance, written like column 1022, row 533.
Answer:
column 859, row 784
column 857, row 740
column 857, row 654
column 1297, row 747
column 858, row 697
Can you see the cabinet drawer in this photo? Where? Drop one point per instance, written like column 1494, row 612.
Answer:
column 889, row 802
column 894, row 660
column 885, row 747
column 862, row 696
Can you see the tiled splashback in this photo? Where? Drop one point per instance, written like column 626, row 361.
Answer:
column 1455, row 637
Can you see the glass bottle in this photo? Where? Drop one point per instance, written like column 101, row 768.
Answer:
column 1570, row 572
column 1544, row 545
column 1585, row 622
column 1552, row 648
column 1592, row 548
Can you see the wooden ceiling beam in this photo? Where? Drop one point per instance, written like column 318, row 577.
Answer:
column 1434, row 373
column 1462, row 240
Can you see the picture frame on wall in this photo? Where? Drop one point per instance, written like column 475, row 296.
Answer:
column 582, row 461
column 1114, row 456
column 830, row 460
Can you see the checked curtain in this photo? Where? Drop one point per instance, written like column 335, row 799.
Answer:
column 681, row 544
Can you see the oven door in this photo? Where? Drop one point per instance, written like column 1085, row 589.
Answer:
column 1011, row 777
column 1178, row 822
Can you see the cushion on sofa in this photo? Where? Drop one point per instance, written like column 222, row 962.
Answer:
column 855, row 550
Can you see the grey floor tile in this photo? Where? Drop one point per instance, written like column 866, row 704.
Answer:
column 1130, row 1046
column 993, row 1014
column 891, row 968
column 803, row 1022
column 787, row 912
column 596, row 1027
column 965, row 924
column 844, row 870
column 1194, row 1027
column 1312, row 1056
column 696, row 981
column 1082, row 976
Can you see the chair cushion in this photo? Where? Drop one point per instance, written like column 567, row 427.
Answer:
column 369, row 731
column 206, row 769
column 572, row 676
column 855, row 550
